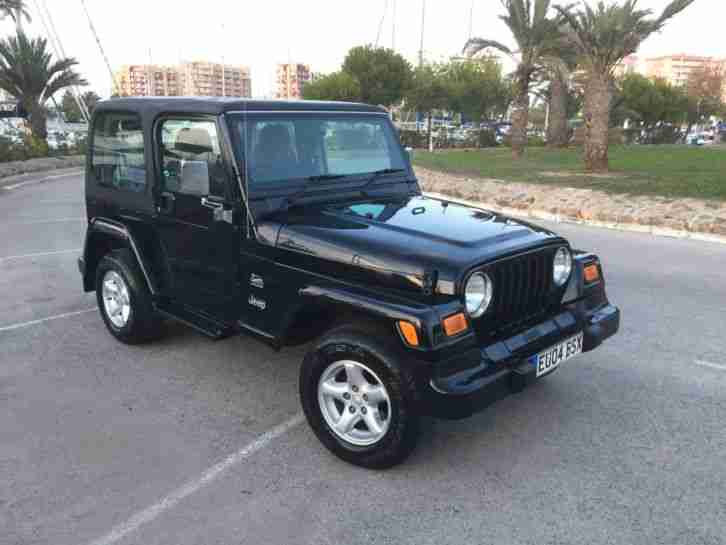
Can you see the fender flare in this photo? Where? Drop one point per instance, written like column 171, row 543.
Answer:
column 423, row 316
column 120, row 232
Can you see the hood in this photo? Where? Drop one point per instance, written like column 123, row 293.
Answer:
column 409, row 237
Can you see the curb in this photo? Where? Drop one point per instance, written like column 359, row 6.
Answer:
column 557, row 218
column 18, row 180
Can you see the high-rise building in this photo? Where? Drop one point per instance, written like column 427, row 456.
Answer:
column 629, row 65
column 290, row 80
column 148, row 80
column 197, row 78
column 676, row 69
column 202, row 78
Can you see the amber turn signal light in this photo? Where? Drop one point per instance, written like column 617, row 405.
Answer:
column 409, row 333
column 592, row 273
column 455, row 324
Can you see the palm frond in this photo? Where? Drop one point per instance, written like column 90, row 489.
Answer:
column 475, row 45
column 28, row 72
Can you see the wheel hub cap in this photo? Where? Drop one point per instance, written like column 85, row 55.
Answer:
column 354, row 402
column 116, row 301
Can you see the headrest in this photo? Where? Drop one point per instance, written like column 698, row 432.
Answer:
column 196, row 141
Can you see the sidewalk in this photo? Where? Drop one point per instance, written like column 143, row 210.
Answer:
column 45, row 164
column 682, row 218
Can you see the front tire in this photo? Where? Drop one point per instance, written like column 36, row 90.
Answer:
column 124, row 299
column 357, row 397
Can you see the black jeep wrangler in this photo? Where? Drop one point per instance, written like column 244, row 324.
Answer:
column 304, row 222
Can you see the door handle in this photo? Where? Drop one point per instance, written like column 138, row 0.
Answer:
column 214, row 205
column 166, row 203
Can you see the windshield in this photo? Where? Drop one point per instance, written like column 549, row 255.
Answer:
column 314, row 148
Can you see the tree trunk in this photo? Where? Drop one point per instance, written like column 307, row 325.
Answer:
column 557, row 131
column 429, row 139
column 597, row 122
column 520, row 118
column 37, row 119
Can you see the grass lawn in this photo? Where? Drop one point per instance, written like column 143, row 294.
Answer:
column 670, row 171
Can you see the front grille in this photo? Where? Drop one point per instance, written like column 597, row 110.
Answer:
column 523, row 292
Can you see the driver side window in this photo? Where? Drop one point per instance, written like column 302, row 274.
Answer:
column 191, row 159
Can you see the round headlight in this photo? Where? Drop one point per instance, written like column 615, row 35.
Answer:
column 562, row 266
column 478, row 294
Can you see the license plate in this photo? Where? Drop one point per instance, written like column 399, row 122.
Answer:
column 550, row 359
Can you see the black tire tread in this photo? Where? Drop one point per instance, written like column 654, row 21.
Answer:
column 144, row 324
column 373, row 341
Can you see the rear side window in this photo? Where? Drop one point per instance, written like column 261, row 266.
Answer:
column 117, row 155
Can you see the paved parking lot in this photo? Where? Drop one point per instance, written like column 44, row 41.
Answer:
column 192, row 441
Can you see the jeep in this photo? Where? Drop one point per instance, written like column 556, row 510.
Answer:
column 303, row 222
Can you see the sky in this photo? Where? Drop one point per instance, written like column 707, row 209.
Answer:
column 262, row 33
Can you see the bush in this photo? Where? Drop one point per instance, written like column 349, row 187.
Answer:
column 413, row 139
column 33, row 148
column 487, row 138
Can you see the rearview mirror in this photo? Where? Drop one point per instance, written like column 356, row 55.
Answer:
column 194, row 178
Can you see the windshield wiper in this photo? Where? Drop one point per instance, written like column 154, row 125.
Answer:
column 292, row 199
column 375, row 176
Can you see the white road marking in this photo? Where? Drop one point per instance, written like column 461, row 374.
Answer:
column 43, row 179
column 39, row 254
column 42, row 320
column 719, row 366
column 33, row 222
column 171, row 500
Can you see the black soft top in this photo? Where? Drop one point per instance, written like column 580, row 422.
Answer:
column 153, row 106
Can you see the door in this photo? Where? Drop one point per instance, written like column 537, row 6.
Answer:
column 198, row 224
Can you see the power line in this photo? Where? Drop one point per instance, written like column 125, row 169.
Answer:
column 423, row 24
column 393, row 26
column 58, row 50
column 380, row 25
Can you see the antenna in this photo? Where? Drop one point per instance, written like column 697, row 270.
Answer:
column 100, row 47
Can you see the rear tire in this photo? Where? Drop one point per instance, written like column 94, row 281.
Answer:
column 124, row 299
column 377, row 432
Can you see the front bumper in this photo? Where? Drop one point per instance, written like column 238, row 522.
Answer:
column 493, row 372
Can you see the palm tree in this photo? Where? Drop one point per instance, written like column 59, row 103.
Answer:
column 15, row 9
column 28, row 73
column 603, row 36
column 536, row 36
column 557, row 72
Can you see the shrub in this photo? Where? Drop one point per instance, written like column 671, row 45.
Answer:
column 487, row 138
column 413, row 139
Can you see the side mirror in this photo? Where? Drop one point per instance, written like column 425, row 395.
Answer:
column 194, row 178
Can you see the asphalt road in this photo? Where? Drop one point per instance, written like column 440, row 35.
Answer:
column 179, row 443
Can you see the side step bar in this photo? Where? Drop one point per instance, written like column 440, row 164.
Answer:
column 203, row 323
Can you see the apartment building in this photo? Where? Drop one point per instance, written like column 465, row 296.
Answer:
column 201, row 78
column 148, row 80
column 198, row 78
column 629, row 65
column 290, row 80
column 676, row 69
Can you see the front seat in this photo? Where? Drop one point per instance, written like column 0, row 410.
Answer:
column 193, row 146
column 274, row 156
